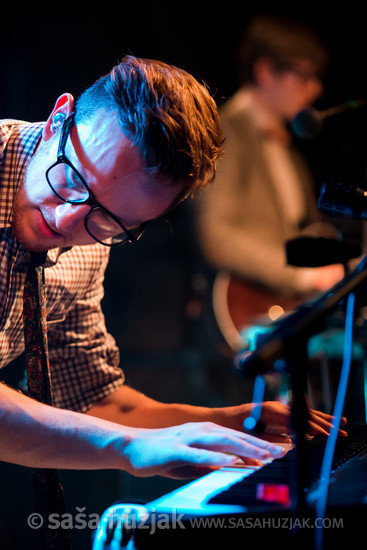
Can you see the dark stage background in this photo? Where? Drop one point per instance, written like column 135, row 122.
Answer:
column 153, row 291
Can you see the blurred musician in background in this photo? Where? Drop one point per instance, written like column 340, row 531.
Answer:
column 264, row 194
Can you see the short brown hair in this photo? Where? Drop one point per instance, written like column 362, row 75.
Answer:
column 167, row 114
column 281, row 39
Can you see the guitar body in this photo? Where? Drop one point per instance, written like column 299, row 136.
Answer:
column 239, row 306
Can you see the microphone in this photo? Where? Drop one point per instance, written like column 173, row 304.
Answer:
column 309, row 122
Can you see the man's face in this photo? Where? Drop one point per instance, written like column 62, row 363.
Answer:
column 295, row 89
column 110, row 165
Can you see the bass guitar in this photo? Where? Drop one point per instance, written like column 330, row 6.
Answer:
column 240, row 307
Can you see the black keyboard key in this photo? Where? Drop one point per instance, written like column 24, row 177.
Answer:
column 279, row 471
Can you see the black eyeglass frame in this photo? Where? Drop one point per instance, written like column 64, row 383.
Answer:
column 91, row 199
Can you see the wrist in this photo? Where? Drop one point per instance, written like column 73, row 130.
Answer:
column 231, row 417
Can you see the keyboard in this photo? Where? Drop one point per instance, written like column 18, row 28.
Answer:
column 279, row 471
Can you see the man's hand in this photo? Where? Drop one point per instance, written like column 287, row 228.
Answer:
column 193, row 449
column 275, row 418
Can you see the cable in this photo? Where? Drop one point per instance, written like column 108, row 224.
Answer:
column 327, row 461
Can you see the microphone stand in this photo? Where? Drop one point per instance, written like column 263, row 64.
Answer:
column 284, row 350
column 296, row 353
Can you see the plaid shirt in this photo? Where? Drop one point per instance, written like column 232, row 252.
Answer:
column 84, row 358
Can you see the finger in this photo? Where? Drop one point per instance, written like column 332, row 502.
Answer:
column 331, row 420
column 274, row 437
column 328, row 417
column 252, row 462
column 316, row 429
column 319, row 422
column 240, row 444
column 265, row 442
column 185, row 462
column 217, row 438
column 322, row 423
column 193, row 463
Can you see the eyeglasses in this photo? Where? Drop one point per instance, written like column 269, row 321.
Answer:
column 305, row 71
column 70, row 186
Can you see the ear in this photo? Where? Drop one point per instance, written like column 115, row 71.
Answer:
column 263, row 71
column 64, row 105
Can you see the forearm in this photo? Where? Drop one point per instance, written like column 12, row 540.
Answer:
column 36, row 435
column 132, row 408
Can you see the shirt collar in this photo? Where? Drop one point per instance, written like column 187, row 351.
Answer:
column 18, row 143
column 266, row 122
